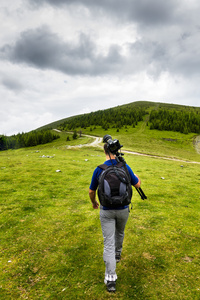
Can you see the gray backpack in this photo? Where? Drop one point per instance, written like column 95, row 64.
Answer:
column 115, row 188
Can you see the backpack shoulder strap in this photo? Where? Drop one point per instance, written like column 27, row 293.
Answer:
column 122, row 164
column 103, row 166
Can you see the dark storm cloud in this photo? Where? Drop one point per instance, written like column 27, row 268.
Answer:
column 170, row 46
column 36, row 47
column 43, row 49
column 143, row 11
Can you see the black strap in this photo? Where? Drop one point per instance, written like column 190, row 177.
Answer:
column 104, row 166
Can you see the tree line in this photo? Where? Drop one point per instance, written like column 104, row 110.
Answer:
column 29, row 139
column 113, row 117
column 181, row 119
column 175, row 120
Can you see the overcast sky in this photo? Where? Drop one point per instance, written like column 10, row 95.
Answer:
column 60, row 58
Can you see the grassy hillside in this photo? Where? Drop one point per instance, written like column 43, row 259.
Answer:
column 51, row 241
column 138, row 136
column 146, row 105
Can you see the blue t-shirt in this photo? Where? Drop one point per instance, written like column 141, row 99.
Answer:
column 94, row 182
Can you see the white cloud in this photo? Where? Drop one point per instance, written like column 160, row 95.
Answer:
column 81, row 56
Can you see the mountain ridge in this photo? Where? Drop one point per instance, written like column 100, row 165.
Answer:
column 135, row 104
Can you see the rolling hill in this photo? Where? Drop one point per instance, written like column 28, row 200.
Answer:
column 162, row 116
column 142, row 126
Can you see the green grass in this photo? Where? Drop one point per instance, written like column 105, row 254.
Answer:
column 51, row 241
column 142, row 139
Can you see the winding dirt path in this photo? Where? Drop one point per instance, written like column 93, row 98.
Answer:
column 96, row 143
column 98, row 140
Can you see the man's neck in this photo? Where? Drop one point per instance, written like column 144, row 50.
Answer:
column 111, row 156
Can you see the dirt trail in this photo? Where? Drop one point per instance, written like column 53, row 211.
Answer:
column 96, row 143
column 162, row 157
column 98, row 140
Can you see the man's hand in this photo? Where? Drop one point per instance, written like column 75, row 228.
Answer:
column 95, row 205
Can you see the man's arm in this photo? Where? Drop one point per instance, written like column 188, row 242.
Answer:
column 137, row 185
column 92, row 195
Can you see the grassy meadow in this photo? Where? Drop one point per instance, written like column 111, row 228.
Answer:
column 51, row 241
column 154, row 142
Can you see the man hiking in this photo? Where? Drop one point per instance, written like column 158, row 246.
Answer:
column 114, row 195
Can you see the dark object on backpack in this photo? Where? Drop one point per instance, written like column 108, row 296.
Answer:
column 115, row 188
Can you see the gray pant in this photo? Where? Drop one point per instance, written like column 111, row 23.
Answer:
column 113, row 223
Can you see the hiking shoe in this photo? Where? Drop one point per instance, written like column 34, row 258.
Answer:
column 118, row 257
column 110, row 281
column 111, row 286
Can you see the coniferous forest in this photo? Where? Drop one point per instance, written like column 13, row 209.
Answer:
column 161, row 117
column 114, row 117
column 29, row 139
column 172, row 120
